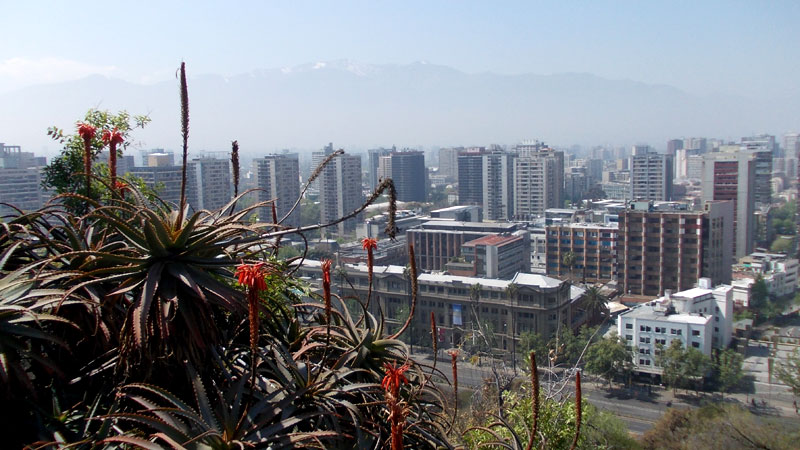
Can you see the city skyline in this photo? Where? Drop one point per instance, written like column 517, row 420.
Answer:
column 713, row 69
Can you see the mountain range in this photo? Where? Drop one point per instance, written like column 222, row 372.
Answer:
column 362, row 106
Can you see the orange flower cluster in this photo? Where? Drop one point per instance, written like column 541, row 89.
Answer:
column 369, row 244
column 391, row 383
column 112, row 138
column 252, row 276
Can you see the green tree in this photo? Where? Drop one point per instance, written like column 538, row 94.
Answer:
column 533, row 341
column 568, row 261
column 759, row 295
column 682, row 367
column 728, row 369
column 670, row 359
column 59, row 175
column 609, row 357
column 595, row 303
column 696, row 367
column 789, row 372
column 782, row 244
column 569, row 347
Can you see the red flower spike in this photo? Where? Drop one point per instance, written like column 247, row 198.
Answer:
column 369, row 244
column 112, row 139
column 326, row 288
column 252, row 276
column 121, row 186
column 394, row 377
column 326, row 271
column 86, row 131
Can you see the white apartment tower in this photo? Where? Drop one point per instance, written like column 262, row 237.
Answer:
column 278, row 177
column 213, row 179
column 651, row 174
column 340, row 191
column 538, row 180
column 498, row 186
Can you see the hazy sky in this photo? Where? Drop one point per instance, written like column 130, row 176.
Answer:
column 743, row 48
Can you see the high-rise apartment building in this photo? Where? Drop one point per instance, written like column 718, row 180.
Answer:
column 763, row 151
column 660, row 250
column 538, row 180
column 593, row 245
column 765, row 141
column 682, row 162
column 278, row 177
column 497, row 176
column 576, row 183
column 340, row 191
column 696, row 143
column 12, row 157
column 594, row 171
column 316, row 160
column 213, row 180
column 731, row 176
column 651, row 175
column 470, row 177
column 448, row 162
column 673, row 145
column 20, row 187
column 374, row 156
column 166, row 181
column 409, row 175
column 791, row 144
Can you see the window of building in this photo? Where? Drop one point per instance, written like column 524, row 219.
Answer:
column 696, row 344
column 629, row 326
column 695, row 332
column 628, row 337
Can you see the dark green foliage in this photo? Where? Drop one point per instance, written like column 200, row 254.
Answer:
column 610, row 358
column 683, row 367
column 728, row 369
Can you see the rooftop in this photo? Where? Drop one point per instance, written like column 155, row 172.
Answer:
column 455, row 208
column 492, row 239
column 648, row 311
column 600, row 226
column 449, row 224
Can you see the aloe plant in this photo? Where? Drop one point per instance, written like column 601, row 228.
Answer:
column 25, row 313
column 233, row 416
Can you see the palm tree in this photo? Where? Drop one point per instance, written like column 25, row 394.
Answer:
column 568, row 260
column 595, row 303
column 475, row 295
column 511, row 293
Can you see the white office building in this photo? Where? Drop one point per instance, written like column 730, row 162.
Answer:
column 701, row 317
